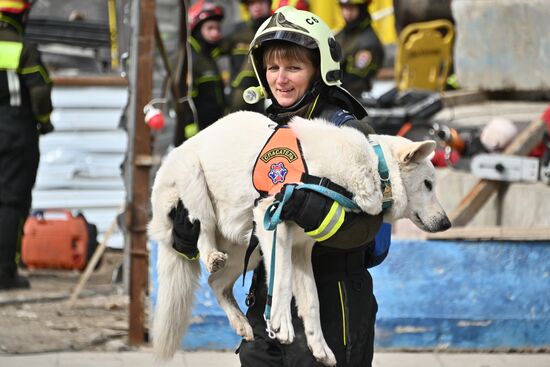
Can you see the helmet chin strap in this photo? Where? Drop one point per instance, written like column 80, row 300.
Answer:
column 313, row 91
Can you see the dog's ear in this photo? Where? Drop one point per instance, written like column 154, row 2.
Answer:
column 416, row 151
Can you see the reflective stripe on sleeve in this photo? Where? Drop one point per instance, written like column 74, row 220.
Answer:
column 330, row 225
column 14, row 87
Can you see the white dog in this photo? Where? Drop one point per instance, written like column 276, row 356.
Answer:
column 211, row 174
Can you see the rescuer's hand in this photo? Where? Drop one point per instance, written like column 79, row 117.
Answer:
column 305, row 207
column 185, row 232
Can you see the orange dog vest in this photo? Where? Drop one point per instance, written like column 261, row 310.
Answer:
column 280, row 162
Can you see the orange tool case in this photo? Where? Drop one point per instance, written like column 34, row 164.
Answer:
column 57, row 239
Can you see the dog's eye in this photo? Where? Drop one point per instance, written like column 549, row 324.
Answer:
column 428, row 185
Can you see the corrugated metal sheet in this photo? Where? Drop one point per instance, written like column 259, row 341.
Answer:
column 80, row 161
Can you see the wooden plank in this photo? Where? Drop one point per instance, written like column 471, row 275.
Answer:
column 92, row 264
column 492, row 233
column 461, row 97
column 476, row 198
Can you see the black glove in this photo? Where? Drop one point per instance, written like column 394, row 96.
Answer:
column 305, row 207
column 45, row 128
column 184, row 232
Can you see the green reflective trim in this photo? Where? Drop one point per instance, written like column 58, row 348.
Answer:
column 191, row 129
column 343, row 312
column 36, row 69
column 44, row 119
column 330, row 225
column 313, row 107
column 187, row 257
column 452, row 81
column 241, row 76
column 206, row 79
column 216, row 53
column 10, row 53
column 195, row 44
column 12, row 22
column 239, row 52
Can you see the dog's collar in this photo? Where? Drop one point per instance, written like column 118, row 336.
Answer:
column 384, row 172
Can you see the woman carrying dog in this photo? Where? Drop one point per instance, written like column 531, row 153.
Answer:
column 296, row 60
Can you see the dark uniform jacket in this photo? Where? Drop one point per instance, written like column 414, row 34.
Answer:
column 25, row 86
column 362, row 55
column 207, row 88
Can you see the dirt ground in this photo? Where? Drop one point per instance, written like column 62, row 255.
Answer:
column 39, row 320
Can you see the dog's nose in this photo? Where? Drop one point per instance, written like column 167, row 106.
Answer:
column 445, row 224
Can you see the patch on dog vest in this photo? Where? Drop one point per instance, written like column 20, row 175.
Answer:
column 280, row 162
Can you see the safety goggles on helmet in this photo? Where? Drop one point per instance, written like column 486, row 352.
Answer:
column 302, row 28
column 15, row 6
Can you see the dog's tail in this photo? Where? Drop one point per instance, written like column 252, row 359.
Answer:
column 178, row 280
column 177, row 275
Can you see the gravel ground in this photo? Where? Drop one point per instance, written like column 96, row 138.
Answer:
column 39, row 320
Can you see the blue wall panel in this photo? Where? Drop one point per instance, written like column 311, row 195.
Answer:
column 432, row 294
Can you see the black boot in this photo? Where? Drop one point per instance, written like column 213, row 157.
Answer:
column 12, row 280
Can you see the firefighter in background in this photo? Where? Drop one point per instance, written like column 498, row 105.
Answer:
column 236, row 46
column 362, row 51
column 207, row 89
column 25, row 107
column 298, row 4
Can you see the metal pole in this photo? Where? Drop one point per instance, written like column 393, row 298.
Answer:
column 139, row 162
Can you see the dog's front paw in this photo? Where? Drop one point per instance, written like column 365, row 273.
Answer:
column 370, row 201
column 281, row 324
column 368, row 194
column 216, row 261
column 373, row 207
column 320, row 349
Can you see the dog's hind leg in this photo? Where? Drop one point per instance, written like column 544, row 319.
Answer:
column 307, row 302
column 213, row 259
column 222, row 283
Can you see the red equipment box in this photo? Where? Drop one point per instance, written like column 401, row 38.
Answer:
column 56, row 239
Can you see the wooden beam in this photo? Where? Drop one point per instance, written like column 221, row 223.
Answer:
column 492, row 233
column 476, row 198
column 460, row 97
column 92, row 264
column 138, row 184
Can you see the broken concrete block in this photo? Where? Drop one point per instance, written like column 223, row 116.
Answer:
column 502, row 44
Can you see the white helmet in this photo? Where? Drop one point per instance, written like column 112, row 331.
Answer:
column 302, row 28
